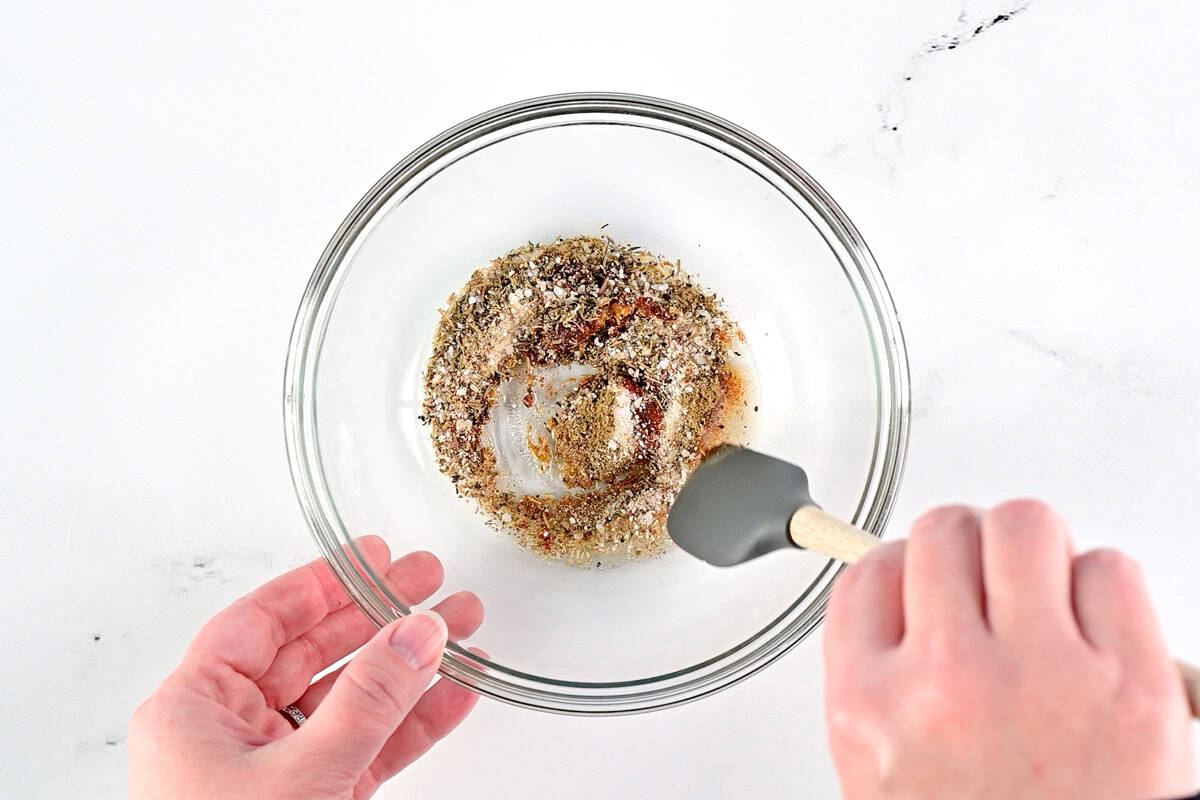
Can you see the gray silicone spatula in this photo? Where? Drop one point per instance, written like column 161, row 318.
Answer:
column 741, row 504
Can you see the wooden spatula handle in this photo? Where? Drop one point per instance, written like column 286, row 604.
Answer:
column 1191, row 684
column 813, row 529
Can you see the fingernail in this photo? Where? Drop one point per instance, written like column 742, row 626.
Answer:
column 419, row 639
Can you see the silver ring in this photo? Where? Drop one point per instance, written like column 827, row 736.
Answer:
column 293, row 715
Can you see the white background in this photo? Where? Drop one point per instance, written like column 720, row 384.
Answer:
column 169, row 177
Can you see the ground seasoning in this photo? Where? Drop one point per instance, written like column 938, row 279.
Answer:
column 660, row 391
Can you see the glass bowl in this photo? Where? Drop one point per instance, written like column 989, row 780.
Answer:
column 793, row 271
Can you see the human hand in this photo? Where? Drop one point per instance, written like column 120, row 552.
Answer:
column 212, row 729
column 982, row 659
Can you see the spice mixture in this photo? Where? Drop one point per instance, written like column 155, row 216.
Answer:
column 657, row 382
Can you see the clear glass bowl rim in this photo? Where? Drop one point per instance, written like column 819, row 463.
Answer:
column 495, row 680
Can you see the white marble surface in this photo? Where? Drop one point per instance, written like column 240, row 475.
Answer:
column 169, row 178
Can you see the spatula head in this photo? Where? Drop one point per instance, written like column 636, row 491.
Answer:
column 736, row 506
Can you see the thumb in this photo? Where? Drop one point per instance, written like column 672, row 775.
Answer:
column 374, row 694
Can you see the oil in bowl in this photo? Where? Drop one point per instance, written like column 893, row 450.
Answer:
column 575, row 385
